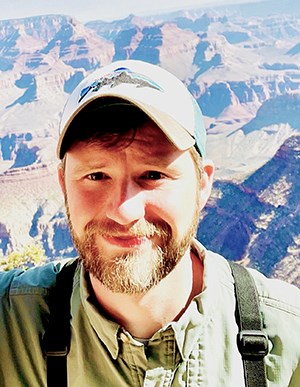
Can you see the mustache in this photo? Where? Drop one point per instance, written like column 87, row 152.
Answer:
column 141, row 229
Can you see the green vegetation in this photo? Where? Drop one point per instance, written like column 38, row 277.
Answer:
column 31, row 255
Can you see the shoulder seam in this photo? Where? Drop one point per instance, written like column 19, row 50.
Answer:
column 280, row 305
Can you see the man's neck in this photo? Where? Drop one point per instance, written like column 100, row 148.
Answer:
column 143, row 315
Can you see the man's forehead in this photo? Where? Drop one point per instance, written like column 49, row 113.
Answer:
column 148, row 139
column 149, row 145
column 152, row 140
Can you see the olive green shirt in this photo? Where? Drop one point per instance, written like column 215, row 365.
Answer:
column 198, row 350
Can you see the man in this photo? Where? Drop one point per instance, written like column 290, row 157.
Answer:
column 149, row 305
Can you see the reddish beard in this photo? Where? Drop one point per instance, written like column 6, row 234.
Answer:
column 136, row 271
column 132, row 272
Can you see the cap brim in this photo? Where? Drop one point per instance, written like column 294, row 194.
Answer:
column 174, row 132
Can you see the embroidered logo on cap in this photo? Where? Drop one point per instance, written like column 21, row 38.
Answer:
column 121, row 75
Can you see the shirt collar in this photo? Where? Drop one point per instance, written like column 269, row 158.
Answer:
column 203, row 308
column 106, row 329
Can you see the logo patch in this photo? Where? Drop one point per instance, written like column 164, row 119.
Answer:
column 121, row 75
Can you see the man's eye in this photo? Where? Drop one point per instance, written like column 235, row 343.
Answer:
column 96, row 176
column 153, row 175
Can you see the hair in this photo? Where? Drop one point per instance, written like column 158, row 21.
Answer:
column 198, row 164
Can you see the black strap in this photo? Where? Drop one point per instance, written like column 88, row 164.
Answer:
column 56, row 340
column 252, row 341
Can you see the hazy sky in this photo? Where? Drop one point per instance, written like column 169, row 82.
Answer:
column 85, row 10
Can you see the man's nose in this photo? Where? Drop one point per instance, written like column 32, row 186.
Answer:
column 126, row 204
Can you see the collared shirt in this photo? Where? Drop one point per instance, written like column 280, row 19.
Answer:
column 197, row 350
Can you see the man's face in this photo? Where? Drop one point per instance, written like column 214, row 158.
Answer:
column 132, row 210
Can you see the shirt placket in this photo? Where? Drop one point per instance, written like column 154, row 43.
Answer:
column 154, row 364
column 162, row 360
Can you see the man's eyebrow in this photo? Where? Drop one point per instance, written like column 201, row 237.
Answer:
column 85, row 167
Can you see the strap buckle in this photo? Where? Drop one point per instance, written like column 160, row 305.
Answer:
column 54, row 346
column 252, row 344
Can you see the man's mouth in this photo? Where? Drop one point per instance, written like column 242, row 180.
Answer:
column 125, row 241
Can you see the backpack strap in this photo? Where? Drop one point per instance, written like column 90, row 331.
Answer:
column 57, row 338
column 251, row 340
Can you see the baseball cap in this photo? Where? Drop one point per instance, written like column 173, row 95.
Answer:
column 154, row 90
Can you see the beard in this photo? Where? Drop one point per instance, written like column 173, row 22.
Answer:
column 136, row 271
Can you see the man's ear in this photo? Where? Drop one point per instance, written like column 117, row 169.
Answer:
column 206, row 181
column 61, row 180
